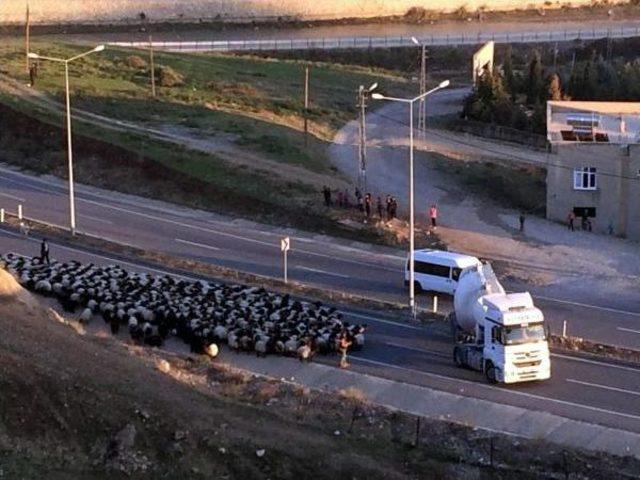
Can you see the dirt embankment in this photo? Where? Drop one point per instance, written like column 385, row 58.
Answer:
column 90, row 407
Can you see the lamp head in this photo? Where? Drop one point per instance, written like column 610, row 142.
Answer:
column 415, row 40
column 377, row 96
column 373, row 87
column 99, row 48
column 33, row 55
column 444, row 84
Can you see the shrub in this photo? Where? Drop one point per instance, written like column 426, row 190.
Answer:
column 168, row 77
column 137, row 62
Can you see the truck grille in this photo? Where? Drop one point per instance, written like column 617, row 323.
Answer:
column 531, row 363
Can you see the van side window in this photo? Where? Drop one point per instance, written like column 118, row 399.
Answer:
column 455, row 273
column 432, row 269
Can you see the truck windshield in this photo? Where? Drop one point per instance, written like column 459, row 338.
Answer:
column 518, row 335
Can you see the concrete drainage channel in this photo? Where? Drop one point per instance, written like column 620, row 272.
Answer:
column 203, row 271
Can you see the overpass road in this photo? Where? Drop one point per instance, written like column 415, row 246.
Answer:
column 599, row 392
column 366, row 270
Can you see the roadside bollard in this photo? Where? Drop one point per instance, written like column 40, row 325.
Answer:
column 20, row 212
column 1, row 215
column 435, row 304
column 564, row 329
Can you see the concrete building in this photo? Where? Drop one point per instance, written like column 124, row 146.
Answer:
column 594, row 165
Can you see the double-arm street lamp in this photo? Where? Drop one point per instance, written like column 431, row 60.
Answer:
column 35, row 56
column 410, row 102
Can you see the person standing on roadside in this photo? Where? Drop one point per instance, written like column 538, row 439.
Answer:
column 367, row 205
column 433, row 216
column 327, row 196
column 380, row 210
column 343, row 346
column 521, row 218
column 570, row 219
column 44, row 251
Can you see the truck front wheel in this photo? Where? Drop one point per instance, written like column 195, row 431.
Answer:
column 490, row 372
column 457, row 357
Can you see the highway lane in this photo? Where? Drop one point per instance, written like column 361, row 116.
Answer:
column 370, row 271
column 594, row 391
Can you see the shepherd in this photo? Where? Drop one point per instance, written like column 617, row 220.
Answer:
column 44, row 251
column 343, row 346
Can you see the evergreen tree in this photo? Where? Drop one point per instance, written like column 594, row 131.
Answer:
column 509, row 76
column 535, row 81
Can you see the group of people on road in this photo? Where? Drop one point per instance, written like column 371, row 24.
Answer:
column 585, row 221
column 386, row 209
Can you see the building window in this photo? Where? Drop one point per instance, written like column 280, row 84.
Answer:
column 584, row 178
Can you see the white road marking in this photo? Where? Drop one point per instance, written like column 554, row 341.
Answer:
column 490, row 387
column 95, row 219
column 200, row 245
column 586, row 305
column 418, row 350
column 324, row 272
column 13, row 197
column 628, row 330
column 604, row 387
column 207, row 230
column 388, row 322
column 596, row 362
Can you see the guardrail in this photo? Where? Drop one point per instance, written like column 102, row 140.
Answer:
column 384, row 42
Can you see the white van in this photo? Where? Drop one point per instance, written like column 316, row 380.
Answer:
column 438, row 271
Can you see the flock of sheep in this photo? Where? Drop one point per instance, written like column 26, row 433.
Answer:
column 202, row 314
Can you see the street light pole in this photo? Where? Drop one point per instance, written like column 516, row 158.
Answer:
column 72, row 203
column 411, row 102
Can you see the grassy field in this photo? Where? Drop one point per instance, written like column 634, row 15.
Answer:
column 243, row 115
column 253, row 87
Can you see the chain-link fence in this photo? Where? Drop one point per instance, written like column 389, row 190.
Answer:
column 385, row 42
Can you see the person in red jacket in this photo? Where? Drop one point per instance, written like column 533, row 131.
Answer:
column 433, row 216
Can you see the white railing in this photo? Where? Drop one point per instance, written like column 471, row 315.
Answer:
column 384, row 42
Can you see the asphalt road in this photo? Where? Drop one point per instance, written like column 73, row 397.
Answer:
column 604, row 393
column 336, row 264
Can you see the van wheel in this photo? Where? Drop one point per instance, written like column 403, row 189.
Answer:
column 490, row 373
column 417, row 287
column 457, row 357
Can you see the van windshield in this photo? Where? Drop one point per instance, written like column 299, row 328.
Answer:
column 518, row 335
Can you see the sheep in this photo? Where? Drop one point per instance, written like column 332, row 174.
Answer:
column 200, row 313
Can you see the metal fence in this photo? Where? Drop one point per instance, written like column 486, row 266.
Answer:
column 384, row 42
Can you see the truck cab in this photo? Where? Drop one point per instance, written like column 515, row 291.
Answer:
column 514, row 342
column 508, row 340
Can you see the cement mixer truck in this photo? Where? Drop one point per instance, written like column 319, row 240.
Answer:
column 500, row 334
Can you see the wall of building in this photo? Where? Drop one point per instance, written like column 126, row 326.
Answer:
column 633, row 219
column 55, row 11
column 617, row 197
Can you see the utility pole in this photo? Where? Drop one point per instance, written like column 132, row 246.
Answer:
column 362, row 143
column 555, row 57
column 422, row 106
column 306, row 105
column 27, row 33
column 153, row 68
column 363, row 95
